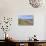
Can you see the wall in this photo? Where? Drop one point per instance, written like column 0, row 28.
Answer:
column 14, row 8
column 45, row 29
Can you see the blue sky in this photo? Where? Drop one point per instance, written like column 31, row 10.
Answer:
column 25, row 17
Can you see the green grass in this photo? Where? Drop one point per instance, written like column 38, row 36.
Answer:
column 24, row 22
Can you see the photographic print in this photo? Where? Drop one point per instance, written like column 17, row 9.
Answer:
column 25, row 20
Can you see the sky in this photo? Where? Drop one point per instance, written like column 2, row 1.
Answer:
column 25, row 17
